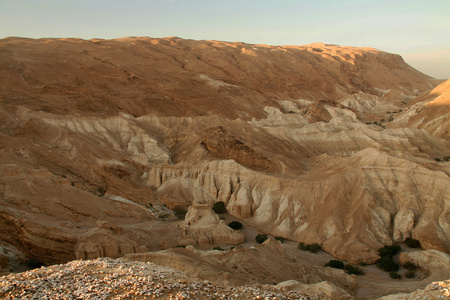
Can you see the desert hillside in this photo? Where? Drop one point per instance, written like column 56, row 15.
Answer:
column 104, row 142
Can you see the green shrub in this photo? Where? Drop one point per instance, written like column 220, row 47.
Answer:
column 351, row 269
column 235, row 225
column 219, row 207
column 280, row 238
column 337, row 264
column 180, row 212
column 395, row 275
column 260, row 238
column 412, row 243
column 313, row 248
column 389, row 251
column 387, row 264
column 410, row 274
column 437, row 159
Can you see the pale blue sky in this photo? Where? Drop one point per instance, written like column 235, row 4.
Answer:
column 419, row 30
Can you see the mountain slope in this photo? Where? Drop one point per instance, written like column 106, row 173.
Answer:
column 101, row 139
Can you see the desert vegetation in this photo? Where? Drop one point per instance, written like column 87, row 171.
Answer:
column 219, row 207
column 235, row 225
column 313, row 248
column 412, row 243
column 261, row 238
column 386, row 262
column 348, row 268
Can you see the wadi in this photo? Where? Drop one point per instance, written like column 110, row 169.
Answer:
column 145, row 150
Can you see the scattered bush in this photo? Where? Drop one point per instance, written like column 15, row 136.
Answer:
column 235, row 225
column 219, row 207
column 387, row 264
column 34, row 263
column 351, row 269
column 412, row 243
column 313, row 248
column 389, row 251
column 302, row 246
column 337, row 264
column 410, row 274
column 395, row 275
column 437, row 159
column 260, row 238
column 409, row 265
column 386, row 261
column 280, row 238
column 180, row 212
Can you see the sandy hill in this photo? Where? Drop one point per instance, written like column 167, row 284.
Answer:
column 102, row 140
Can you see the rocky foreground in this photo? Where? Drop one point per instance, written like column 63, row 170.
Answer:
column 107, row 278
column 112, row 279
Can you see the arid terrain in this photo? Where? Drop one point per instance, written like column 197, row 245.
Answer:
column 104, row 143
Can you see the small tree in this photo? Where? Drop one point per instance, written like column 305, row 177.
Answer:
column 387, row 264
column 302, row 246
column 412, row 243
column 235, row 225
column 389, row 251
column 410, row 274
column 314, row 248
column 337, row 264
column 395, row 275
column 219, row 207
column 260, row 238
column 351, row 269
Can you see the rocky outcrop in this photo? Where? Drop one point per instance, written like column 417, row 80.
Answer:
column 375, row 186
column 403, row 225
column 435, row 290
column 268, row 263
column 203, row 227
column 324, row 289
column 432, row 261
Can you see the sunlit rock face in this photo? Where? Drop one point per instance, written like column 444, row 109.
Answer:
column 100, row 140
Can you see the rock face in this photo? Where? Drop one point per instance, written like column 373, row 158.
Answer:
column 203, row 227
column 100, row 139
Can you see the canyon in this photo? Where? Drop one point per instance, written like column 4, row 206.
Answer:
column 101, row 141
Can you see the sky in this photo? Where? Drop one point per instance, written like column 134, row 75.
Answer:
column 419, row 30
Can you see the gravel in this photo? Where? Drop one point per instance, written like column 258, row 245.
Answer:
column 106, row 278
